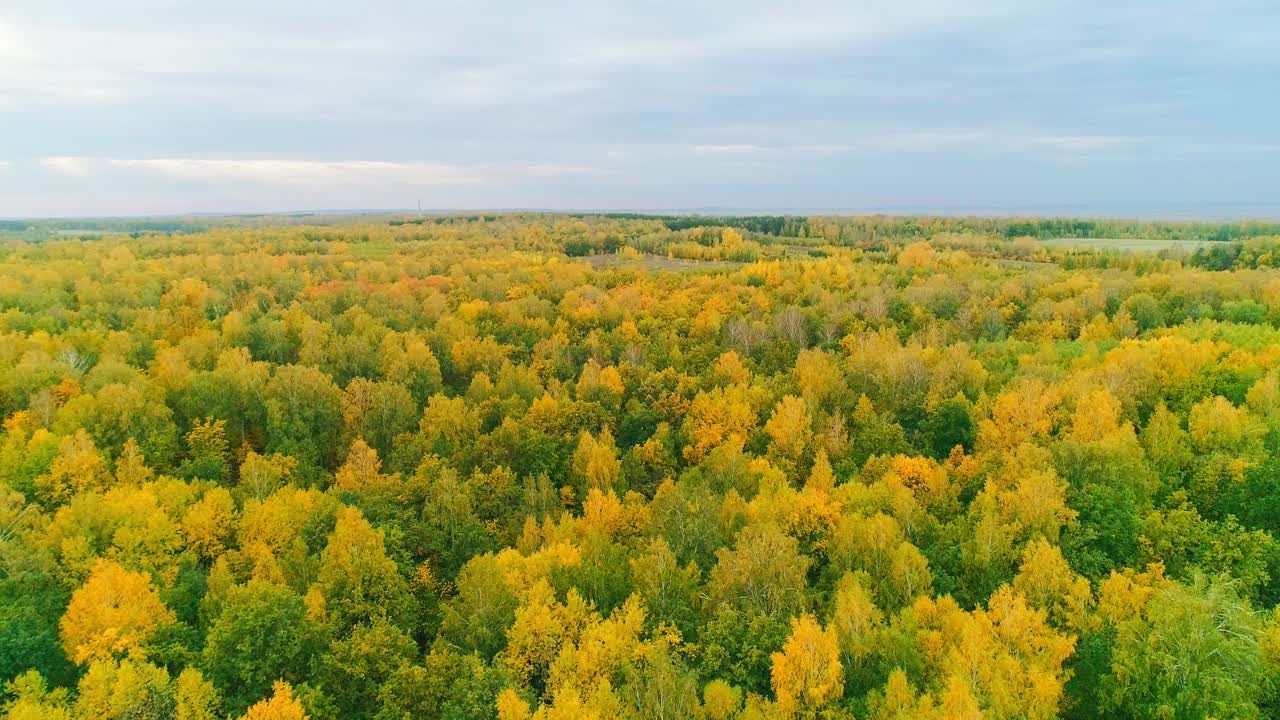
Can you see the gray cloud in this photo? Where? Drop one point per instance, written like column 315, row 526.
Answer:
column 142, row 106
column 307, row 172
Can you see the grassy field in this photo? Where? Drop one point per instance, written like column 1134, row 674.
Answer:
column 1126, row 244
column 655, row 263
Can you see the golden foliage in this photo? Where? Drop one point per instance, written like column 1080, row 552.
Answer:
column 210, row 523
column 115, row 612
column 716, row 417
column 361, row 471
column 280, row 706
column 807, row 673
column 77, row 468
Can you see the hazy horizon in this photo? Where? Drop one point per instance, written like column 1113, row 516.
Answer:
column 1070, row 107
column 1261, row 213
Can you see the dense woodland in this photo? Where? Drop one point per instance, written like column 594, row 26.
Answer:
column 552, row 467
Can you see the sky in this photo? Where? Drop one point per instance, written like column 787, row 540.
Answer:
column 1083, row 107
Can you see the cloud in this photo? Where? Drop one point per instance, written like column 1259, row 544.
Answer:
column 297, row 171
column 725, row 149
column 68, row 166
column 859, row 142
column 14, row 46
column 716, row 33
column 431, row 57
column 221, row 105
column 323, row 173
column 1088, row 143
column 927, row 140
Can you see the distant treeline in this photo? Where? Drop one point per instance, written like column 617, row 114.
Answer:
column 444, row 219
column 828, row 229
column 1066, row 228
column 45, row 229
column 862, row 228
column 124, row 225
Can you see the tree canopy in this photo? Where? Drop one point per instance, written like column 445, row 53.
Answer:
column 532, row 467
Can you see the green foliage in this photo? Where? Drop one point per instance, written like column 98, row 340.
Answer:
column 261, row 635
column 304, row 416
column 1193, row 654
column 947, row 425
column 446, row 686
column 358, row 666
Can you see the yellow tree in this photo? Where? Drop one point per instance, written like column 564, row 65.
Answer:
column 131, row 467
column 1215, row 424
column 1097, row 417
column 407, row 360
column 277, row 522
column 789, row 428
column 896, row 702
column 730, row 370
column 764, row 573
column 170, row 369
column 28, row 697
column 361, row 471
column 821, row 478
column 818, row 375
column 927, row 480
column 261, row 475
column 207, row 453
column 958, row 703
column 543, row 627
column 377, row 412
column 715, row 417
column 78, row 467
column 595, row 462
column 1124, row 594
column 1004, row 658
column 114, row 612
column 1023, row 412
column 855, row 618
column 730, row 240
column 449, row 424
column 917, row 255
column 720, row 700
column 357, row 580
column 807, row 674
column 280, row 706
column 1050, row 585
column 513, row 707
column 209, row 523
column 602, row 650
column 197, row 698
column 127, row 688
column 597, row 383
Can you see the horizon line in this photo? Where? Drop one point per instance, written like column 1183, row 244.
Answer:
column 1246, row 211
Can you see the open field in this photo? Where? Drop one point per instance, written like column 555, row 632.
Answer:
column 1126, row 244
column 656, row 263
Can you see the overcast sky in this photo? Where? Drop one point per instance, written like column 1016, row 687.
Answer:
column 1072, row 106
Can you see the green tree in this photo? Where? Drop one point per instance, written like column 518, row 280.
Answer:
column 304, row 417
column 377, row 412
column 356, row 667
column 262, row 635
column 446, row 685
column 356, row 579
column 1193, row 653
column 208, row 455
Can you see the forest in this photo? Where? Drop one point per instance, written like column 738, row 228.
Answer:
column 571, row 466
